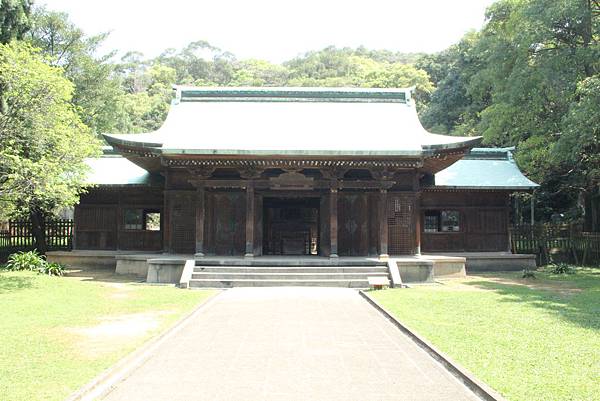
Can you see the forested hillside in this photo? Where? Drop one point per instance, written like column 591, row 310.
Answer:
column 530, row 78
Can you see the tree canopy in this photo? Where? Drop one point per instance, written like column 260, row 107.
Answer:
column 43, row 142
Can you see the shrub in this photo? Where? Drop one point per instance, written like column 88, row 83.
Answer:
column 528, row 273
column 561, row 268
column 32, row 261
column 25, row 261
column 52, row 269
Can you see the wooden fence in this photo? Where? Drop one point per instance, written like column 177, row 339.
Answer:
column 557, row 243
column 19, row 236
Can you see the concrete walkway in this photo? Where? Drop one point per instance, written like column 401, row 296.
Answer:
column 290, row 344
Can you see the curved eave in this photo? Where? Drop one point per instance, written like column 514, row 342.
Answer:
column 463, row 143
column 117, row 141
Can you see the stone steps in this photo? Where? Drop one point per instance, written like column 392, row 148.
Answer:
column 223, row 283
column 282, row 276
column 292, row 269
column 286, row 276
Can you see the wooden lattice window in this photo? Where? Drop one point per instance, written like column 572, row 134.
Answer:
column 435, row 221
column 401, row 224
column 141, row 219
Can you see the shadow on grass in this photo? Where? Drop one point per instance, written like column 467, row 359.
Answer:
column 102, row 275
column 580, row 307
column 10, row 284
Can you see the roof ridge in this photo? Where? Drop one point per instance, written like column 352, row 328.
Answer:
column 193, row 93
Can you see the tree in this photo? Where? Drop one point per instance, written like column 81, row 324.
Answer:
column 43, row 142
column 519, row 82
column 14, row 19
column 98, row 91
column 147, row 108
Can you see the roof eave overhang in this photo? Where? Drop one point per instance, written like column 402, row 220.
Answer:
column 487, row 188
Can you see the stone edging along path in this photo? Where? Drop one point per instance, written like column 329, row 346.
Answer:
column 102, row 384
column 477, row 386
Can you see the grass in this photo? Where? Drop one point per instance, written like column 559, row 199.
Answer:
column 56, row 334
column 530, row 339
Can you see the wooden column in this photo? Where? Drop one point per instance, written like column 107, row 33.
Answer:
column 250, row 219
column 383, row 225
column 417, row 205
column 200, row 217
column 333, row 223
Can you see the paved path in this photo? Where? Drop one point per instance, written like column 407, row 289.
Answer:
column 290, row 344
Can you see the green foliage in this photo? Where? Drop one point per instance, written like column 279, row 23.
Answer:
column 43, row 142
column 52, row 269
column 561, row 268
column 529, row 79
column 31, row 261
column 528, row 273
column 14, row 19
column 97, row 91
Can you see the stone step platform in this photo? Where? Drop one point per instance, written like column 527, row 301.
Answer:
column 291, row 269
column 286, row 276
column 224, row 283
column 280, row 276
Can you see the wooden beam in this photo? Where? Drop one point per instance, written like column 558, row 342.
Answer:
column 200, row 218
column 333, row 223
column 250, row 220
column 383, row 225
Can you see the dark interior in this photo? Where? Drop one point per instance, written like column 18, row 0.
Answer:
column 291, row 226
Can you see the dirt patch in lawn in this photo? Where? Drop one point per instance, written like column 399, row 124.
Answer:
column 114, row 332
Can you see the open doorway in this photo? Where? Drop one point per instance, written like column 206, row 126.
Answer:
column 291, row 226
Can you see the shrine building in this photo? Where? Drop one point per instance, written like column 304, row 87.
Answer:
column 328, row 172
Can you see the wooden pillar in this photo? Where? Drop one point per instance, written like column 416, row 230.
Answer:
column 200, row 217
column 250, row 219
column 333, row 223
column 383, row 225
column 532, row 209
column 417, row 205
column 166, row 216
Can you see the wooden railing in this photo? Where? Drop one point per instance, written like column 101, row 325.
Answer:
column 19, row 236
column 555, row 243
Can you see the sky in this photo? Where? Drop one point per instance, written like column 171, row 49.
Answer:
column 275, row 30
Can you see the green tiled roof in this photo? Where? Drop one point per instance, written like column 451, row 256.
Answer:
column 292, row 121
column 482, row 168
column 485, row 168
column 117, row 170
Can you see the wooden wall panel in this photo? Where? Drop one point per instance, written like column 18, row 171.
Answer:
column 182, row 209
column 96, row 227
column 483, row 221
column 373, row 206
column 227, row 223
column 486, row 230
column 353, row 224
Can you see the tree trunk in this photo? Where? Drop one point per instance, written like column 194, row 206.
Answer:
column 39, row 233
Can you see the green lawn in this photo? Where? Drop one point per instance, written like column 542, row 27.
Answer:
column 534, row 339
column 56, row 334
